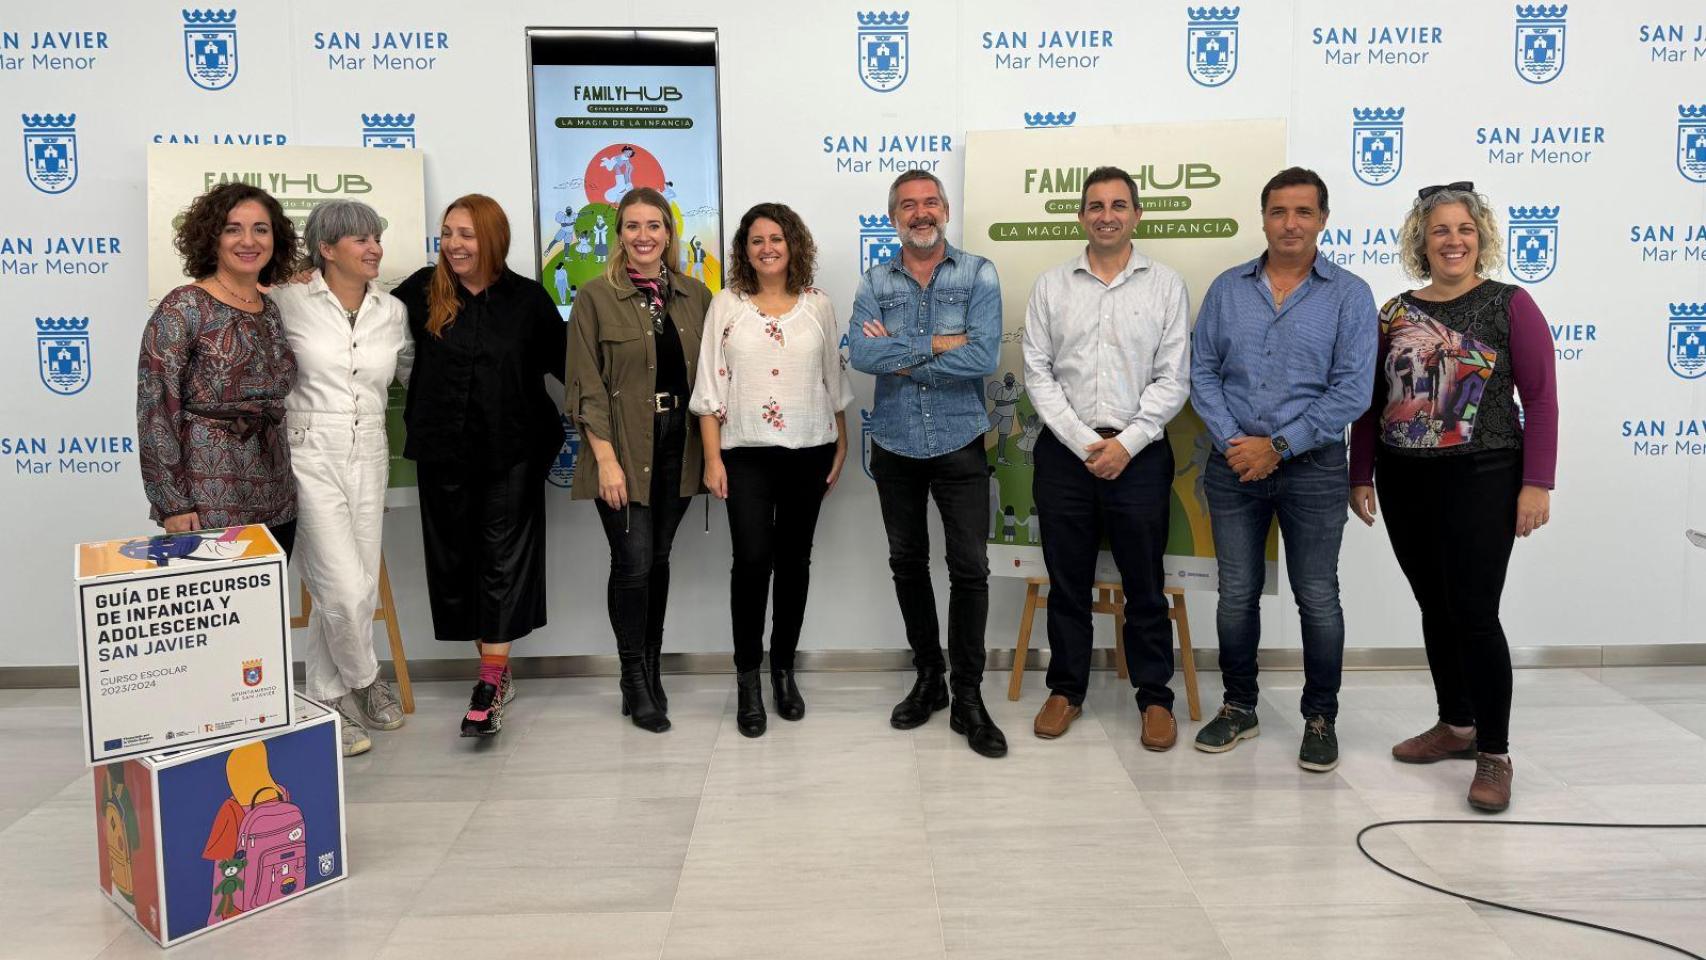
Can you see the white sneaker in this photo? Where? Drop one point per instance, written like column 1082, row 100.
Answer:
column 379, row 707
column 353, row 734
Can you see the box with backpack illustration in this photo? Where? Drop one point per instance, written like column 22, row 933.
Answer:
column 197, row 839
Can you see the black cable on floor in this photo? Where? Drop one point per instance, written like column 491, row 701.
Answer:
column 1523, row 910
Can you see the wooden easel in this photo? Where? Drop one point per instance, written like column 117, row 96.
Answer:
column 1109, row 599
column 386, row 611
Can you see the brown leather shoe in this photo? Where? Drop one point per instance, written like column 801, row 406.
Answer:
column 1435, row 744
column 1491, row 788
column 1160, row 730
column 1056, row 717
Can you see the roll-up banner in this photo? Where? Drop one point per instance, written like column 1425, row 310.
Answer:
column 614, row 110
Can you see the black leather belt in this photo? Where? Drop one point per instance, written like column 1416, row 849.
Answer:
column 666, row 402
column 1107, row 433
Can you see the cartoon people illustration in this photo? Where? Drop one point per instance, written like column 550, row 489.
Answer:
column 209, row 545
column 561, row 279
column 565, row 232
column 601, row 238
column 1032, row 528
column 620, row 163
column 1009, row 523
column 583, row 247
column 994, row 502
column 1005, row 394
column 696, row 259
column 1032, row 428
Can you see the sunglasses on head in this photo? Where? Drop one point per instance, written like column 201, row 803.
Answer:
column 1460, row 186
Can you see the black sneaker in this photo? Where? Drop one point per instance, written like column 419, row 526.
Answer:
column 485, row 712
column 1232, row 724
column 1320, row 750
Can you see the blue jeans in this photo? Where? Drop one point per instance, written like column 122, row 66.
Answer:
column 1309, row 494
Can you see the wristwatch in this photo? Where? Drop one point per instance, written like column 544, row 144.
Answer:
column 1280, row 446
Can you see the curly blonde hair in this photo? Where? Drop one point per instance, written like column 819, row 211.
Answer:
column 1413, row 236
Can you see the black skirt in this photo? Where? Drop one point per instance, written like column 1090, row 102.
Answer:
column 483, row 534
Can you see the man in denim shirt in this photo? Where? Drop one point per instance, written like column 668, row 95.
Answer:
column 928, row 324
column 1282, row 360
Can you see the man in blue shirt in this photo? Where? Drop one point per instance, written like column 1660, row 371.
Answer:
column 927, row 323
column 1282, row 361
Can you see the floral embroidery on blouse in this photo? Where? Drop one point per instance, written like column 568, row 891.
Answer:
column 773, row 414
column 773, row 330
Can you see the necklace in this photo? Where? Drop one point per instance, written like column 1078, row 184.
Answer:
column 350, row 315
column 233, row 293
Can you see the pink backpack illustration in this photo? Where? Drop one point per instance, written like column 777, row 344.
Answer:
column 271, row 859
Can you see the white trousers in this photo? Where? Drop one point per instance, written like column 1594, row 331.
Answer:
column 341, row 464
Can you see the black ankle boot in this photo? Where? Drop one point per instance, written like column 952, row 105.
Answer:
column 654, row 674
column 929, row 694
column 637, row 702
column 969, row 717
column 749, row 709
column 789, row 704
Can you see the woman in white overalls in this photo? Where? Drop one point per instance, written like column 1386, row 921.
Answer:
column 351, row 339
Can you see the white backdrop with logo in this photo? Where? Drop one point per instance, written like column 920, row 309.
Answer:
column 1589, row 119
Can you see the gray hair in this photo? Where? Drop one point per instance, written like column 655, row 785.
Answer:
column 1413, row 235
column 908, row 177
column 334, row 220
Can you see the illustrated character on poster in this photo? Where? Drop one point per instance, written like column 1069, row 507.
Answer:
column 565, row 232
column 258, row 840
column 696, row 259
column 583, row 249
column 123, row 834
column 1009, row 524
column 204, row 546
column 994, row 502
column 621, row 164
column 601, row 238
column 1005, row 394
column 668, row 190
column 561, row 278
column 1033, row 528
column 1032, row 428
column 1201, row 447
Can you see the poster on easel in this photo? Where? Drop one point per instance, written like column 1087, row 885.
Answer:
column 183, row 640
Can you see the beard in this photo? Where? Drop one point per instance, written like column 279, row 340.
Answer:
column 914, row 237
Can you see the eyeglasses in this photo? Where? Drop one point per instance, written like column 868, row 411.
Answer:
column 1460, row 186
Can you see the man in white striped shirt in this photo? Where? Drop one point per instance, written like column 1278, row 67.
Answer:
column 1106, row 367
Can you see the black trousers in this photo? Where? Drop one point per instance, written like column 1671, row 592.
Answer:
column 483, row 534
column 775, row 494
column 640, row 539
column 959, row 482
column 1452, row 520
column 1076, row 509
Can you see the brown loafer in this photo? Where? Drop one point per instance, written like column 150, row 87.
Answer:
column 1491, row 789
column 1056, row 717
column 1160, row 730
column 1435, row 744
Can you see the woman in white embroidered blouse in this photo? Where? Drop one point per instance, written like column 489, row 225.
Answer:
column 351, row 339
column 771, row 394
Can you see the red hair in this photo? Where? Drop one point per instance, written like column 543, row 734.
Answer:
column 491, row 233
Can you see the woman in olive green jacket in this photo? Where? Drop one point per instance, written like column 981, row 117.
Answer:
column 633, row 343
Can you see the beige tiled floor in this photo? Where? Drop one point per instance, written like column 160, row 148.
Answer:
column 574, row 834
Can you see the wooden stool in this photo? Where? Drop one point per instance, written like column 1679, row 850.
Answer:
column 1110, row 598
column 386, row 611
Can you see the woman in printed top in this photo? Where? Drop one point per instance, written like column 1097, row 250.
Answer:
column 214, row 371
column 771, row 397
column 1462, row 469
column 633, row 343
column 351, row 339
column 483, row 432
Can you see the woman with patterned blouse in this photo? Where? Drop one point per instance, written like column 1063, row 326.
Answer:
column 1463, row 469
column 771, row 398
column 214, row 371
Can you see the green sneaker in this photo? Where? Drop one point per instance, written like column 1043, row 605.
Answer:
column 1232, row 724
column 1320, row 750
